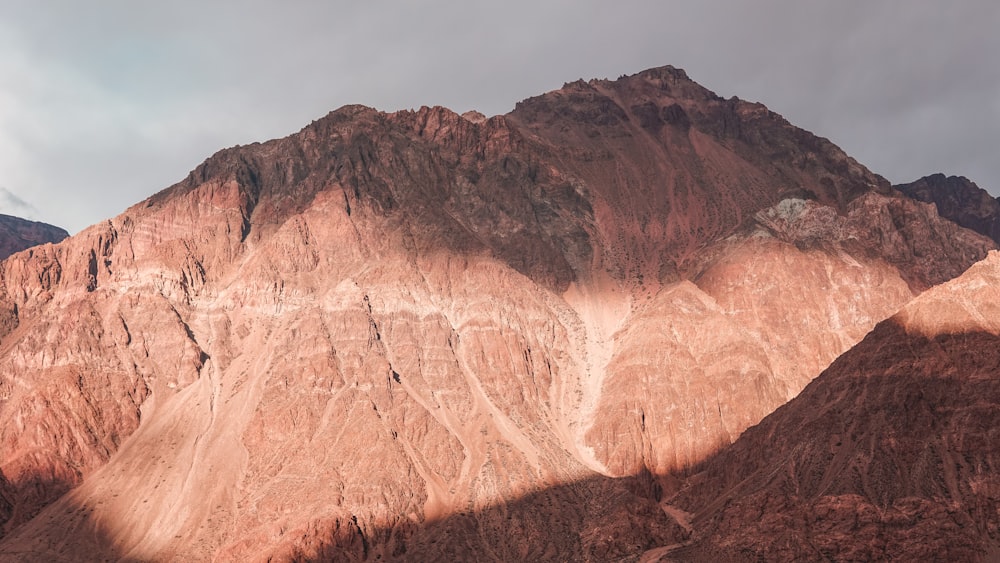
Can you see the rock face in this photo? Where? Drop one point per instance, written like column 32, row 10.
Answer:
column 891, row 454
column 17, row 234
column 424, row 336
column 959, row 199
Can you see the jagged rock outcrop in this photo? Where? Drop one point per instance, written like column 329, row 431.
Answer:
column 17, row 234
column 891, row 454
column 672, row 167
column 959, row 199
column 419, row 335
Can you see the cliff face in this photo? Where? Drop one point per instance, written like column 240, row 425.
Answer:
column 419, row 335
column 960, row 200
column 18, row 234
column 673, row 167
column 892, row 453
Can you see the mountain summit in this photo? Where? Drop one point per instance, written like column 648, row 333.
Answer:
column 425, row 336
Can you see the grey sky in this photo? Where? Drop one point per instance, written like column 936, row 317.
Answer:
column 103, row 103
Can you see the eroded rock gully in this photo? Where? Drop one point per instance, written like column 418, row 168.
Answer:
column 426, row 336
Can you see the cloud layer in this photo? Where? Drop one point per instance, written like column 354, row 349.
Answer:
column 104, row 103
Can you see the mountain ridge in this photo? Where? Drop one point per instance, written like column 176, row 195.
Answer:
column 887, row 455
column 17, row 234
column 959, row 199
column 386, row 319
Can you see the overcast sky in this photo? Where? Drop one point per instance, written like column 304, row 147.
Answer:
column 103, row 103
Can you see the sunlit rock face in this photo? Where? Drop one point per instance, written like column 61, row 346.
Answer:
column 891, row 454
column 426, row 336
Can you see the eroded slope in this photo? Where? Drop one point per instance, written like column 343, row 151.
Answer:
column 333, row 343
column 889, row 454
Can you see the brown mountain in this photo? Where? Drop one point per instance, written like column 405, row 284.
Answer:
column 426, row 336
column 18, row 234
column 891, row 454
column 959, row 199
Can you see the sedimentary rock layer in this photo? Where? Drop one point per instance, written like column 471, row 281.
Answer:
column 891, row 454
column 426, row 336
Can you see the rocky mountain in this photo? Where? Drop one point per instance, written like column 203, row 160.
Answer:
column 426, row 336
column 959, row 199
column 18, row 234
column 891, row 454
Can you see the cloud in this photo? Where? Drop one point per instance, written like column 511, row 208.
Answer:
column 11, row 204
column 103, row 103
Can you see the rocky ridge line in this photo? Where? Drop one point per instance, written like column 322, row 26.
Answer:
column 959, row 199
column 419, row 335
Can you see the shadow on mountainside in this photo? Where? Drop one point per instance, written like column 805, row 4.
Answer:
column 34, row 503
column 23, row 497
column 892, row 453
column 596, row 519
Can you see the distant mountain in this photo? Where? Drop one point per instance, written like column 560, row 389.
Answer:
column 17, row 234
column 959, row 199
column 422, row 336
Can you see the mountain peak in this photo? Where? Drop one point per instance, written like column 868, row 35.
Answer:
column 429, row 336
column 959, row 199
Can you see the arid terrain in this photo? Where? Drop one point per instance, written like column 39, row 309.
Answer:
column 18, row 234
column 959, row 199
column 892, row 453
column 531, row 337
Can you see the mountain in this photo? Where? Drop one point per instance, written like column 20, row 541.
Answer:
column 18, row 234
column 891, row 454
column 426, row 336
column 959, row 199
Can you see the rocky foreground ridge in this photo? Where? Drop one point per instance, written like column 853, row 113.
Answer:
column 423, row 336
column 891, row 454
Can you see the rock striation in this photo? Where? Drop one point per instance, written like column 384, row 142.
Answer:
column 426, row 336
column 891, row 454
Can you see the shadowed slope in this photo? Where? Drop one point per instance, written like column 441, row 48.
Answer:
column 892, row 453
column 673, row 167
column 596, row 519
column 960, row 200
column 388, row 319
column 17, row 234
